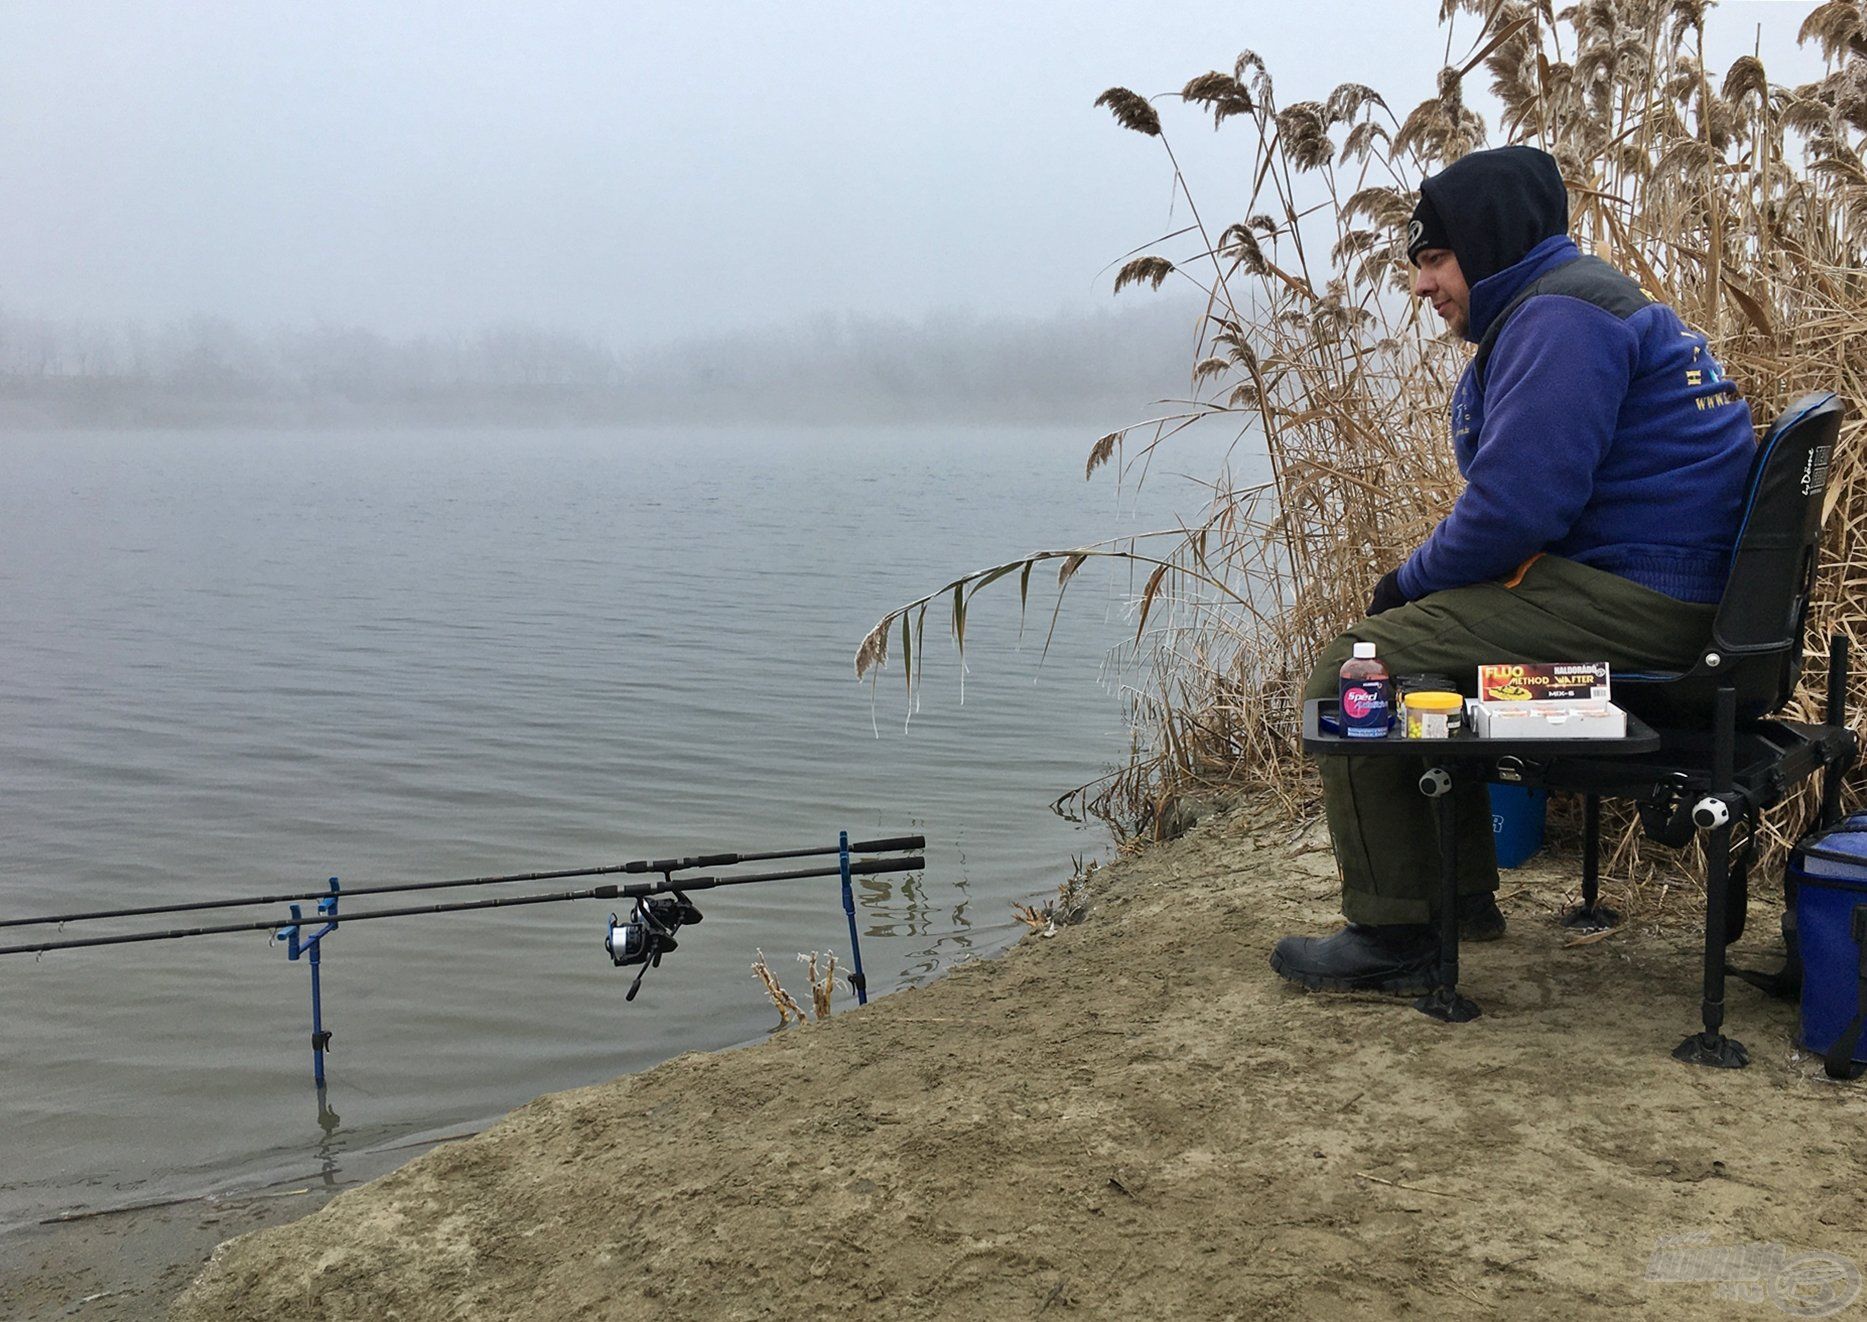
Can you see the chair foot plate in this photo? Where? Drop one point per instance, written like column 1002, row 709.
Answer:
column 1447, row 1006
column 1597, row 919
column 1712, row 1050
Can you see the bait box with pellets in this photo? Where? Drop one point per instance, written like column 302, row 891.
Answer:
column 1556, row 718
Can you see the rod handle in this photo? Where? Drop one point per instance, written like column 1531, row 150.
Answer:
column 889, row 845
column 913, row 863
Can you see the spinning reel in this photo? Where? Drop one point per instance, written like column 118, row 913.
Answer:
column 649, row 933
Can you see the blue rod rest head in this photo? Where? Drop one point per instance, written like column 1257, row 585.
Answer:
column 289, row 934
column 327, row 907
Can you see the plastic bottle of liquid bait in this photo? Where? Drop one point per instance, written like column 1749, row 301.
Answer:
column 1367, row 695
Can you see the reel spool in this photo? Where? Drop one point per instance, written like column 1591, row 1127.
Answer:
column 648, row 934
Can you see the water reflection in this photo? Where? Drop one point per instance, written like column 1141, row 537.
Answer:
column 953, row 943
column 899, row 906
column 328, row 1147
column 895, row 904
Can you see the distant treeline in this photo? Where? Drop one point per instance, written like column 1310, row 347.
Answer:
column 207, row 371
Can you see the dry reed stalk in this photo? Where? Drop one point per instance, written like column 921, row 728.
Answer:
column 1038, row 920
column 1739, row 201
column 787, row 1005
column 1071, row 904
column 822, row 981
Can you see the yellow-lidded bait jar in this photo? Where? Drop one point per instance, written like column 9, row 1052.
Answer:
column 1434, row 715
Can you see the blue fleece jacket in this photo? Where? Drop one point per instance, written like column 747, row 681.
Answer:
column 1613, row 439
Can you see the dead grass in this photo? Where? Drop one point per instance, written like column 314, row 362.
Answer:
column 785, row 1003
column 821, row 970
column 1070, row 906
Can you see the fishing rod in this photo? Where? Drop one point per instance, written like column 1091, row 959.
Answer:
column 607, row 892
column 661, row 909
column 665, row 866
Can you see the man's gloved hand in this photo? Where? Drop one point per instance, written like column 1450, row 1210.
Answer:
column 1387, row 593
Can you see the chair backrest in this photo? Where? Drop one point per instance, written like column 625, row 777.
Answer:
column 1756, row 639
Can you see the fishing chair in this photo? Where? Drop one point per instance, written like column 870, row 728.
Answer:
column 1725, row 754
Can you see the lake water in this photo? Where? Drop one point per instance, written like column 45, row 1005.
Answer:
column 236, row 664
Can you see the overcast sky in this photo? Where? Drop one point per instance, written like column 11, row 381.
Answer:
column 639, row 171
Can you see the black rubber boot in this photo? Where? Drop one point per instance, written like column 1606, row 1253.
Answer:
column 1479, row 917
column 1399, row 959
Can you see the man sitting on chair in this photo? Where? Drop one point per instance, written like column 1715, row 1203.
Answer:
column 1605, row 456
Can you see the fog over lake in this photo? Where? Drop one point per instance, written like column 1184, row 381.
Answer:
column 639, row 176
column 440, row 439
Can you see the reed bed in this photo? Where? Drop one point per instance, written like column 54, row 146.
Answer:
column 1740, row 201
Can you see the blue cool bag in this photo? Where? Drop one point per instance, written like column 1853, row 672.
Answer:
column 1517, row 821
column 1828, row 879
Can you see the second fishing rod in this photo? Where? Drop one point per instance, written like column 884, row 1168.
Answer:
column 665, row 866
column 635, row 891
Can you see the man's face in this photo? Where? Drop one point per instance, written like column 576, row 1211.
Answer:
column 1438, row 280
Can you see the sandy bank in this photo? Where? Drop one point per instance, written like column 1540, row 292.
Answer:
column 1133, row 1118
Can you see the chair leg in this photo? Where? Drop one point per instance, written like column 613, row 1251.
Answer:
column 1711, row 1047
column 1837, row 717
column 1590, row 915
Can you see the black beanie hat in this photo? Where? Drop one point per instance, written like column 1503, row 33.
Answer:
column 1492, row 208
column 1425, row 230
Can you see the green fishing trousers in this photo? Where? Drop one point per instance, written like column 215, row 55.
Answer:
column 1386, row 841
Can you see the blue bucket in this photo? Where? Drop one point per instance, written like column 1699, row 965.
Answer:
column 1517, row 816
column 1830, row 884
